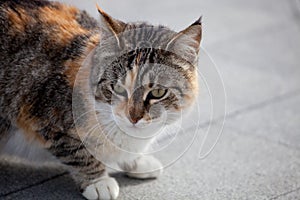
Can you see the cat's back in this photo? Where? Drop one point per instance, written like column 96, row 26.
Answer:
column 41, row 45
column 51, row 23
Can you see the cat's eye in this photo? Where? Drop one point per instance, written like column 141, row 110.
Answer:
column 157, row 94
column 119, row 90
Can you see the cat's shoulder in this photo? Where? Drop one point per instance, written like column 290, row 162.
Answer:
column 32, row 29
column 57, row 18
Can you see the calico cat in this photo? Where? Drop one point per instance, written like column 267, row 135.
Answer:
column 83, row 90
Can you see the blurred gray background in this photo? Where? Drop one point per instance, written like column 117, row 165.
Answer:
column 255, row 47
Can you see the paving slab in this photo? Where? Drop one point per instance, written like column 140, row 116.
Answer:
column 278, row 122
column 291, row 195
column 239, row 168
column 61, row 187
column 17, row 175
column 259, row 67
column 274, row 50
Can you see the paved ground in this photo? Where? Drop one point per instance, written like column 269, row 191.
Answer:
column 256, row 47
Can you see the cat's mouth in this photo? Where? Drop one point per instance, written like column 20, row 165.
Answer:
column 133, row 126
column 137, row 126
column 141, row 129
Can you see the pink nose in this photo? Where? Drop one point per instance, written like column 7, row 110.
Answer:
column 134, row 120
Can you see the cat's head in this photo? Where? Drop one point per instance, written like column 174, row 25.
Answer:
column 144, row 76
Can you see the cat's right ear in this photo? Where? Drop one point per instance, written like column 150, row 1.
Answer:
column 186, row 43
column 111, row 26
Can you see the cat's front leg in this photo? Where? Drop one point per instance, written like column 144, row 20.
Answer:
column 88, row 172
column 144, row 167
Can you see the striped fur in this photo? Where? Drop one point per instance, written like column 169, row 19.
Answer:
column 57, row 64
column 42, row 47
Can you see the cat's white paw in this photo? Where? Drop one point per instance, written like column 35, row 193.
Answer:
column 146, row 167
column 104, row 188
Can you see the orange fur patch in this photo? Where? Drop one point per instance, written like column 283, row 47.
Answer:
column 62, row 23
column 19, row 18
column 27, row 124
column 61, row 27
column 64, row 28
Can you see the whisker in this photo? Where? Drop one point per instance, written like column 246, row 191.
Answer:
column 88, row 133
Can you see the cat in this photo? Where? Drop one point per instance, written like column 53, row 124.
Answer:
column 93, row 93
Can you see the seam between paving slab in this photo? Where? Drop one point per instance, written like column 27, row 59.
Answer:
column 285, row 194
column 35, row 184
column 295, row 7
column 265, row 103
column 264, row 138
column 272, row 101
column 251, row 107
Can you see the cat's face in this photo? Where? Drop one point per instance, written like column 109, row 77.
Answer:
column 145, row 76
column 146, row 94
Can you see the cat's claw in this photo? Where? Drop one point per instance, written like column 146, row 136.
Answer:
column 146, row 167
column 105, row 188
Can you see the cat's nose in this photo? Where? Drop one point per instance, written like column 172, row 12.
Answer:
column 134, row 119
column 135, row 111
column 135, row 115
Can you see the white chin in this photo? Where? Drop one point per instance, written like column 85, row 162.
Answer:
column 141, row 131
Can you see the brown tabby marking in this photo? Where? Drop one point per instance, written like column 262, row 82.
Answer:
column 62, row 19
column 59, row 21
column 73, row 66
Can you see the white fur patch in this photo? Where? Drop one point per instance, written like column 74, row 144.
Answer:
column 17, row 145
column 104, row 188
column 146, row 167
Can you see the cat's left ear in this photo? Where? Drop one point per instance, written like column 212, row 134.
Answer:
column 111, row 26
column 186, row 43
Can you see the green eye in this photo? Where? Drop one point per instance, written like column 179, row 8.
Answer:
column 120, row 90
column 157, row 94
